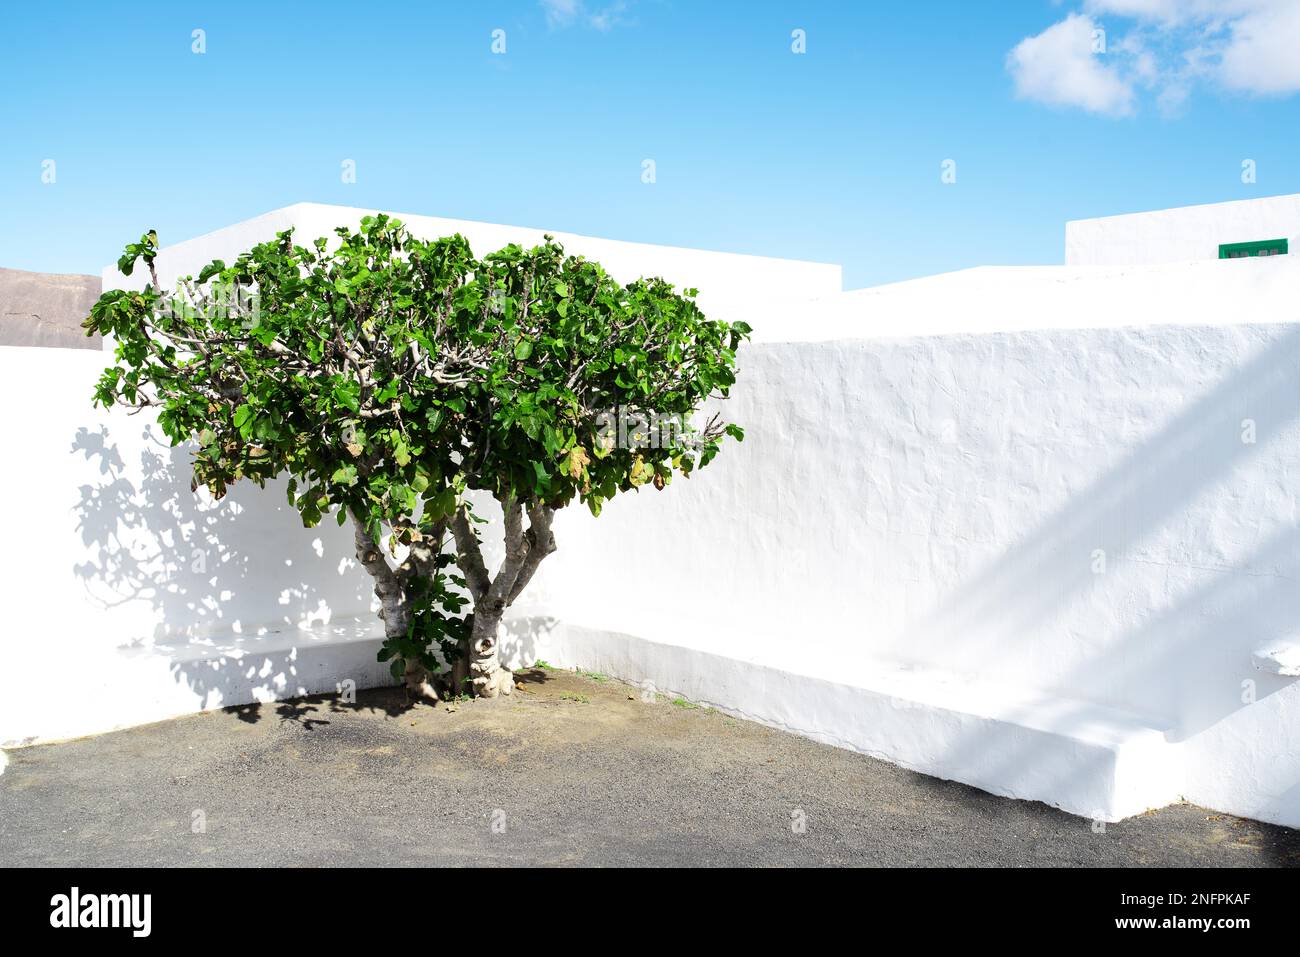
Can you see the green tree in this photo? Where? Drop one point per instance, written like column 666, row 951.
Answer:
column 389, row 377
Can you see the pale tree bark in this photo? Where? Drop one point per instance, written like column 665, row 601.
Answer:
column 394, row 601
column 525, row 549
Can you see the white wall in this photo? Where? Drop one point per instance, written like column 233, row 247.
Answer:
column 931, row 509
column 918, row 510
column 117, row 579
column 1184, row 234
column 1022, row 298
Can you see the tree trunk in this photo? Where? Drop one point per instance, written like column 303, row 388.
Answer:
column 486, row 675
column 525, row 549
column 419, row 682
column 394, row 607
column 458, row 676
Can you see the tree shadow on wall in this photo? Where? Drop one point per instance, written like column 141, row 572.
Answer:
column 218, row 579
column 236, row 593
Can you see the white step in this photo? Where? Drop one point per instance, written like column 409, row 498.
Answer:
column 172, row 677
column 1081, row 757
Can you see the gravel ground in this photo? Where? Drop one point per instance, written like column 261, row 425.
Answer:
column 568, row 771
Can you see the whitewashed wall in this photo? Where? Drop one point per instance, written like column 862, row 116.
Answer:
column 1027, row 298
column 121, row 589
column 1184, row 234
column 1062, row 530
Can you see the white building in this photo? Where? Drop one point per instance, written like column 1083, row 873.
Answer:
column 1187, row 234
column 1031, row 528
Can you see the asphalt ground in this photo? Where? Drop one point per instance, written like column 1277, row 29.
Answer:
column 570, row 770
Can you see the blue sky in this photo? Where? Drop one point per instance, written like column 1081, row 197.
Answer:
column 834, row 154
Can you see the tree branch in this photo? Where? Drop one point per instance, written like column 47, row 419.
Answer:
column 470, row 555
column 541, row 542
column 516, row 554
column 421, row 560
column 389, row 587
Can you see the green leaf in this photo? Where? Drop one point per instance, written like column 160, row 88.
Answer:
column 542, row 478
column 523, row 349
column 401, row 453
column 211, row 269
column 442, row 504
column 243, row 419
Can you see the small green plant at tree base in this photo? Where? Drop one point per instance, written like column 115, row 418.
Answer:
column 683, row 703
column 591, row 675
column 543, row 665
column 388, row 378
column 573, row 696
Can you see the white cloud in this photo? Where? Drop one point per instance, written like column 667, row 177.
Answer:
column 1059, row 67
column 564, row 13
column 1263, row 54
column 1166, row 48
column 560, row 13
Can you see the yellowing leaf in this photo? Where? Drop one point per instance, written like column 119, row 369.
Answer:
column 640, row 472
column 576, row 461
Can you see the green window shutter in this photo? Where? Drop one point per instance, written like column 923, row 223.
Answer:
column 1265, row 247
